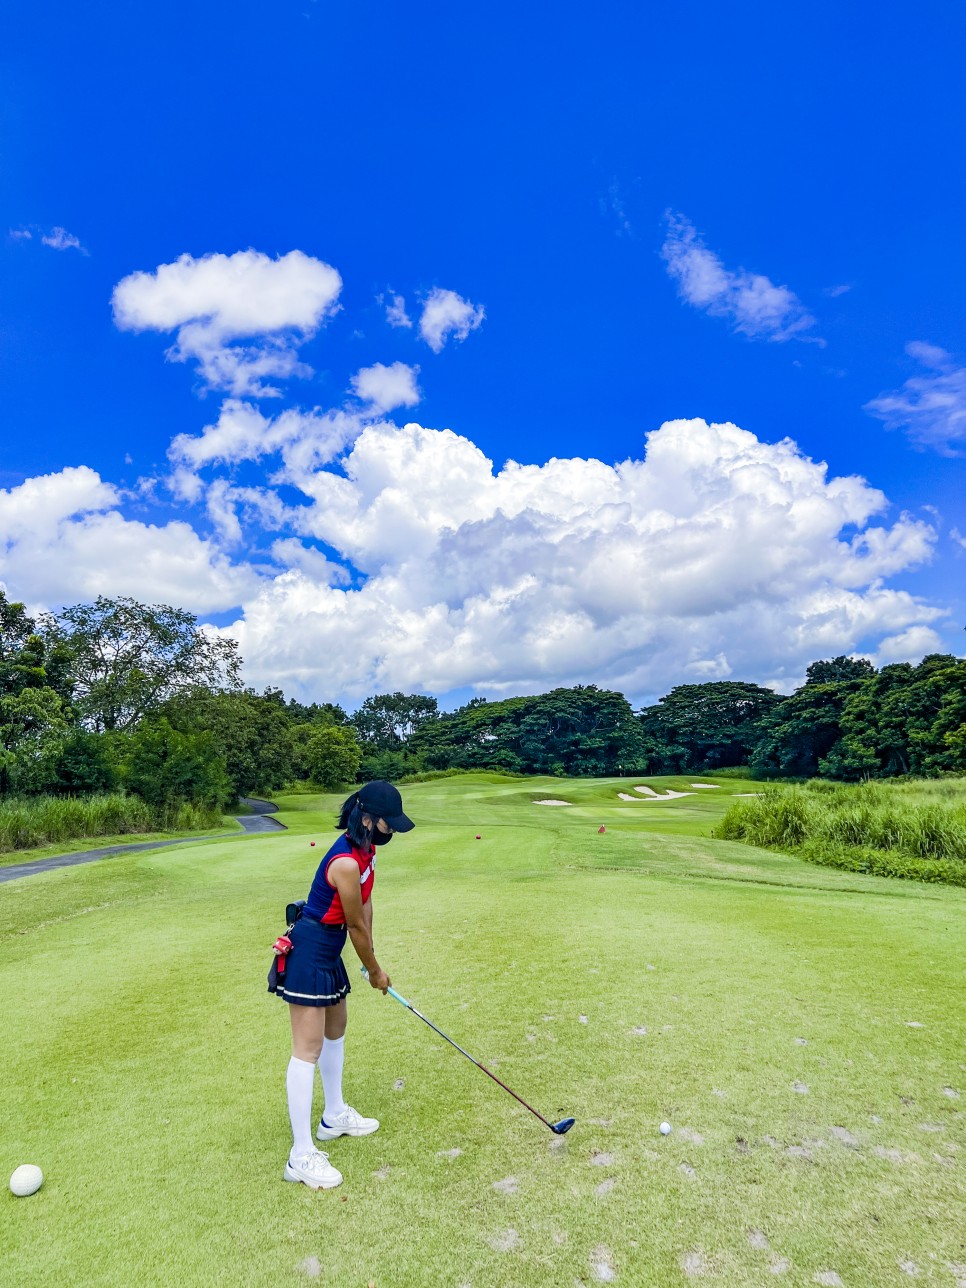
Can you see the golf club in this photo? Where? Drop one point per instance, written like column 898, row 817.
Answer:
column 559, row 1129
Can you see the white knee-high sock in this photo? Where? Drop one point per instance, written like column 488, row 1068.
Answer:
column 299, row 1082
column 331, row 1062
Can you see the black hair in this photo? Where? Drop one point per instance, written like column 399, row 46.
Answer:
column 350, row 821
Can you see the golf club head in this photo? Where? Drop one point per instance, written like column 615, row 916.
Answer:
column 563, row 1126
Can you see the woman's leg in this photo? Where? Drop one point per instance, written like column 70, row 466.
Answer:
column 308, row 1032
column 332, row 1058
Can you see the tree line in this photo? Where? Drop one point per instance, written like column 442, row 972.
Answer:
column 118, row 694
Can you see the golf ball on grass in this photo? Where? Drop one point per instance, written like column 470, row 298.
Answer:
column 27, row 1179
column 665, row 1129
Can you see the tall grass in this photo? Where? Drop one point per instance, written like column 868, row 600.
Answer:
column 30, row 821
column 913, row 828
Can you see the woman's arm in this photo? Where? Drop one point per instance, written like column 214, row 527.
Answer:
column 344, row 875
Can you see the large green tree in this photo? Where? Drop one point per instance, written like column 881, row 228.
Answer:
column 801, row 731
column 708, row 726
column 582, row 730
column 330, row 755
column 33, row 728
column 128, row 658
column 166, row 767
column 386, row 721
column 251, row 732
column 903, row 720
column 34, row 719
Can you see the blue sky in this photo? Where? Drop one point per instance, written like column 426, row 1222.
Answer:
column 607, row 222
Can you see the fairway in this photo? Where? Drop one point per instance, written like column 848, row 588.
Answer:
column 802, row 1029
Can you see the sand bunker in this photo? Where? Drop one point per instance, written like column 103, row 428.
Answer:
column 650, row 794
column 552, row 802
column 707, row 787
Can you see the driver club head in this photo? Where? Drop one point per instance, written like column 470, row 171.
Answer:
column 563, row 1126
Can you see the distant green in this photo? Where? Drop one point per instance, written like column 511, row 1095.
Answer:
column 803, row 1029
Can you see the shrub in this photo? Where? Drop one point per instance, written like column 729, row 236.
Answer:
column 51, row 820
column 910, row 829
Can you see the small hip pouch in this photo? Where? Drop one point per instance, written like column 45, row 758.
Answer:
column 283, row 946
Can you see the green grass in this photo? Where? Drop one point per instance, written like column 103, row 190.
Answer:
column 36, row 822
column 144, row 1062
column 912, row 828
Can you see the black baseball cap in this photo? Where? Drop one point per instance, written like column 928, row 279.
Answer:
column 381, row 800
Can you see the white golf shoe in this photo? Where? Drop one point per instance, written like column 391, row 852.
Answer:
column 312, row 1169
column 348, row 1123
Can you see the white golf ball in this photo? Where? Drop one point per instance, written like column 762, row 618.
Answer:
column 27, row 1179
column 665, row 1129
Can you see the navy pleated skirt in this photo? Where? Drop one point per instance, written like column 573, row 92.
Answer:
column 314, row 973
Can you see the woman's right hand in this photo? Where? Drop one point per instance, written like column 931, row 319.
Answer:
column 379, row 979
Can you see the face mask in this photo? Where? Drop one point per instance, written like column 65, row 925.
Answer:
column 381, row 838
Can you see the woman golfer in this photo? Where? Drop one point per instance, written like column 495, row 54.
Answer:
column 315, row 983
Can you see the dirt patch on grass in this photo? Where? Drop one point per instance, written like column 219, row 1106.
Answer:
column 505, row 1241
column 799, row 1151
column 895, row 1155
column 845, row 1136
column 602, row 1264
column 695, row 1264
column 689, row 1134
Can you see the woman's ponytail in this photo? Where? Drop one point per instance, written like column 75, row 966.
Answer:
column 350, row 821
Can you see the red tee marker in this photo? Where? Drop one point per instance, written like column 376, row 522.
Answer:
column 479, row 838
column 311, row 842
column 601, row 829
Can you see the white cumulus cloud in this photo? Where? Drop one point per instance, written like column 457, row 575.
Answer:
column 384, row 388
column 751, row 302
column 212, row 303
column 910, row 645
column 60, row 239
column 715, row 554
column 305, row 439
column 63, row 539
column 396, row 314
column 444, row 314
column 930, row 408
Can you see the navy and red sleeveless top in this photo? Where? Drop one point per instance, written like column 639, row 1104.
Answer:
column 323, row 902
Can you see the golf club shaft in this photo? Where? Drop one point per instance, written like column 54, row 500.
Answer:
column 409, row 1006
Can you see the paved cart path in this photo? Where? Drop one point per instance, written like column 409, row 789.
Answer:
column 259, row 821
